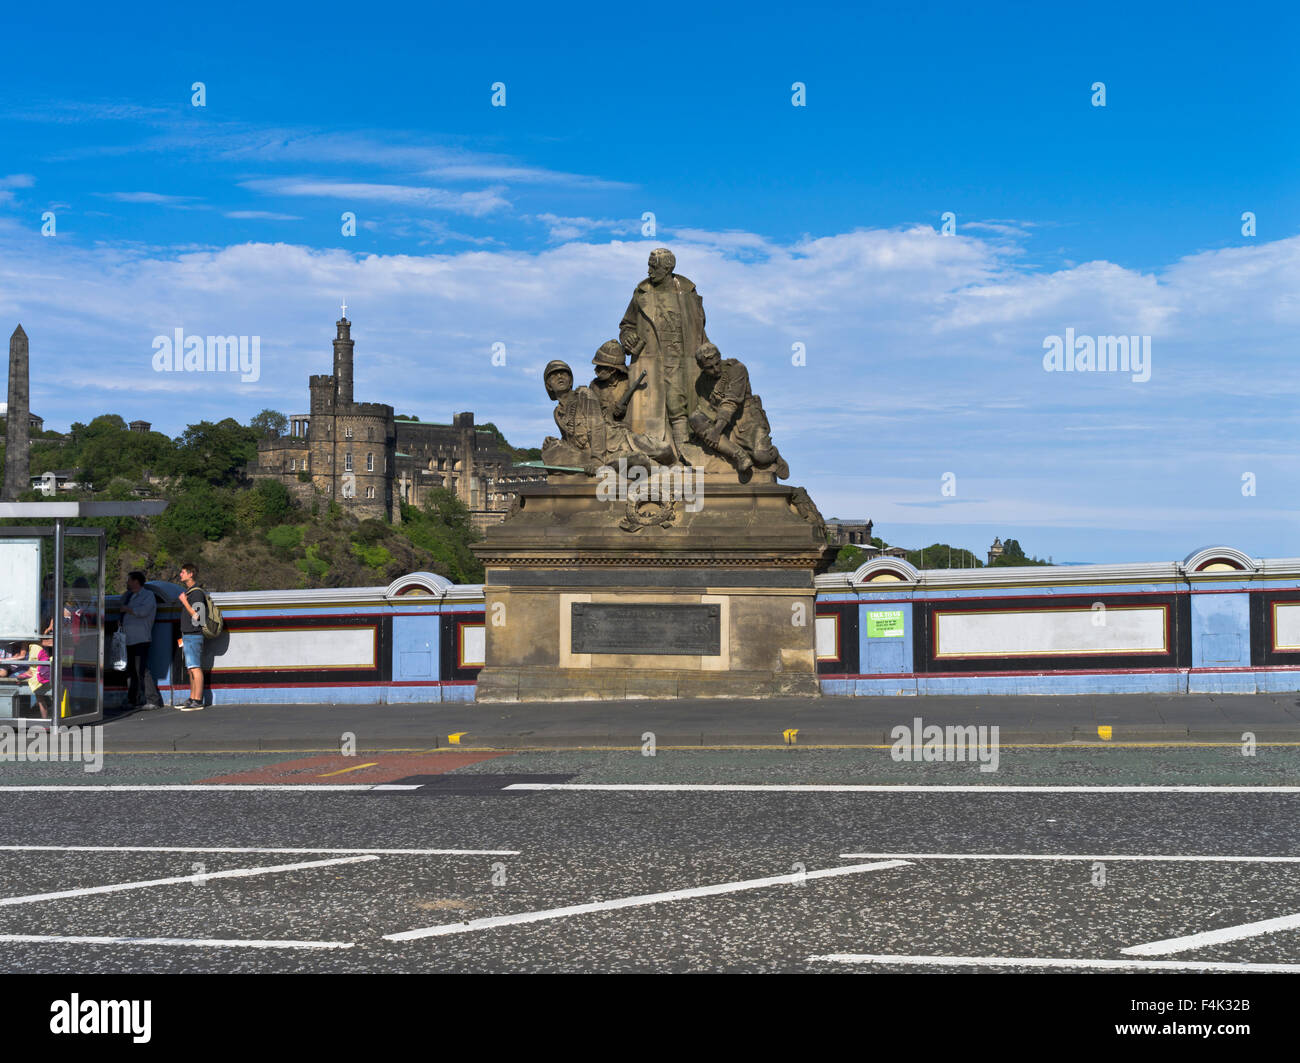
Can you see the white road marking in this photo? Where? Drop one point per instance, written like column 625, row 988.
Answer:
column 1213, row 937
column 1035, row 961
column 643, row 899
column 240, row 872
column 224, row 849
column 1157, row 859
column 210, row 943
column 146, row 788
column 910, row 788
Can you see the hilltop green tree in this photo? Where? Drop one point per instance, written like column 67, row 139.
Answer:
column 215, row 453
column 269, row 423
column 444, row 528
column 1013, row 555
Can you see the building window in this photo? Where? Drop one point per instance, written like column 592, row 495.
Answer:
column 347, row 432
column 347, row 461
column 370, row 463
column 370, row 492
column 293, row 465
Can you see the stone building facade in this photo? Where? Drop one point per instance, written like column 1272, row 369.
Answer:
column 365, row 458
column 848, row 532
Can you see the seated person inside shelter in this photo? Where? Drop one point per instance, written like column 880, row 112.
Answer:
column 36, row 673
column 9, row 653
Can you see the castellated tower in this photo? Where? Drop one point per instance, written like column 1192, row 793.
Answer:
column 320, row 435
column 352, row 445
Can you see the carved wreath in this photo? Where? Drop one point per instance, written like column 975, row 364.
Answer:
column 648, row 513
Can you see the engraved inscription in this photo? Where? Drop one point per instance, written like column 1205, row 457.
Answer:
column 688, row 630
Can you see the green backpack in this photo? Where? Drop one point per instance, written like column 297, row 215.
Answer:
column 213, row 622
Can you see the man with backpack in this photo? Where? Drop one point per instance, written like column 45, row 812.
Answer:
column 139, row 607
column 195, row 609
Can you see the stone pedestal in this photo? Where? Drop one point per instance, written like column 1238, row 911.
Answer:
column 589, row 599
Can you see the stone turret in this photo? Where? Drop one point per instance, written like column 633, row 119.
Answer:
column 343, row 345
column 17, row 426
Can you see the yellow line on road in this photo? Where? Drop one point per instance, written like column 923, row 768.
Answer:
column 711, row 748
column 344, row 771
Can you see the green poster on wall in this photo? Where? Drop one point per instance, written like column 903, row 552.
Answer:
column 885, row 625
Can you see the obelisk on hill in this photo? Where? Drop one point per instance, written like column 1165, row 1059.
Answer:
column 17, row 423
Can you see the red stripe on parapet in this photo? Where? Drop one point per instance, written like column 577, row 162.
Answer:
column 363, row 768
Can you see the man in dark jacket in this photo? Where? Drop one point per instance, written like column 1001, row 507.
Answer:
column 139, row 608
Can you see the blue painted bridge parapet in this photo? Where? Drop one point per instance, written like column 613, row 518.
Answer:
column 1218, row 621
column 419, row 639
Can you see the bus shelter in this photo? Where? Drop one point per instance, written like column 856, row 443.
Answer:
column 52, row 608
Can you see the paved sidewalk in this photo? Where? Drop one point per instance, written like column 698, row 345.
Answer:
column 725, row 722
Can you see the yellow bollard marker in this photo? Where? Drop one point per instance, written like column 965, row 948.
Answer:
column 1104, row 733
column 789, row 734
column 455, row 739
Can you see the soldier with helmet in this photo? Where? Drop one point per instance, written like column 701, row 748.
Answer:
column 615, row 395
column 730, row 419
column 578, row 416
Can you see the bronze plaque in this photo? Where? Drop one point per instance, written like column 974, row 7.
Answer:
column 688, row 630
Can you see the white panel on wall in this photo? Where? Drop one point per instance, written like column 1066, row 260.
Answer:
column 298, row 649
column 472, row 645
column 827, row 638
column 20, row 587
column 1286, row 626
column 1051, row 632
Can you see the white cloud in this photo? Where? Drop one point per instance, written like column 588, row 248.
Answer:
column 260, row 215
column 924, row 356
column 152, row 198
column 476, row 204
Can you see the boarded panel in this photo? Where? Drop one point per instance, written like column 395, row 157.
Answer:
column 20, row 588
column 472, row 645
column 828, row 638
column 1051, row 632
column 1286, row 626
column 297, row 649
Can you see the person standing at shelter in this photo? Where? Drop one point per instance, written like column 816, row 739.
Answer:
column 194, row 610
column 139, row 609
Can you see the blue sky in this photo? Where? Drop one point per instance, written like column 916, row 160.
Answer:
column 816, row 225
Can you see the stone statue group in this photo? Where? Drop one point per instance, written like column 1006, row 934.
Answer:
column 676, row 391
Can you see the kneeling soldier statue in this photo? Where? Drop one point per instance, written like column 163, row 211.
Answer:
column 730, row 419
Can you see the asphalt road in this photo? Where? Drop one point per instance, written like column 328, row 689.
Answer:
column 825, row 720
column 923, row 868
